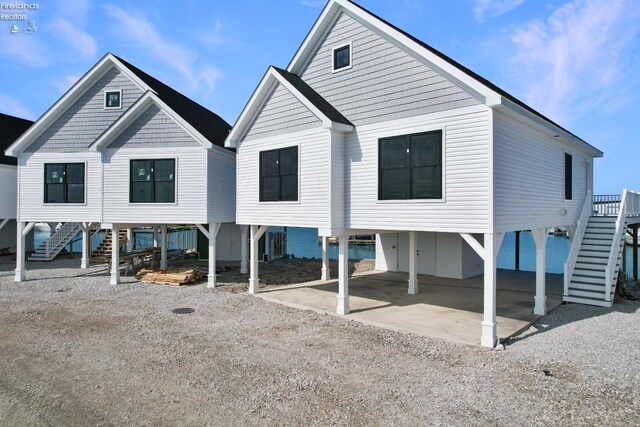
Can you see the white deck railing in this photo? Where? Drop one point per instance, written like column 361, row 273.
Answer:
column 629, row 206
column 576, row 241
column 606, row 204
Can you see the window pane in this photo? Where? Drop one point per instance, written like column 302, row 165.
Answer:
column 393, row 153
column 140, row 170
column 269, row 163
column 141, row 191
column 55, row 193
column 164, row 192
column 568, row 176
column 54, row 174
column 289, row 161
column 394, row 184
column 426, row 149
column 75, row 193
column 163, row 170
column 112, row 100
column 75, row 173
column 289, row 187
column 341, row 57
column 427, row 182
column 269, row 189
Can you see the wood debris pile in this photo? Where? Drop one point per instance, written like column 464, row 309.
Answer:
column 173, row 276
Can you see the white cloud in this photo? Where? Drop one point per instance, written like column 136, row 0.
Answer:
column 576, row 57
column 82, row 43
column 316, row 4
column 13, row 107
column 63, row 84
column 214, row 37
column 25, row 49
column 494, row 8
column 210, row 75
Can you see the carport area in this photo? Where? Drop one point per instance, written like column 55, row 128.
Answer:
column 449, row 309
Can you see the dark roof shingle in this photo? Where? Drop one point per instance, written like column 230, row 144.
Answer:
column 11, row 128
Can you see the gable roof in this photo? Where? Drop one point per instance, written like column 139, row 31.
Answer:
column 10, row 129
column 207, row 123
column 330, row 117
column 479, row 87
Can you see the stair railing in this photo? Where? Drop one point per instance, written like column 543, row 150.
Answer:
column 576, row 240
column 59, row 237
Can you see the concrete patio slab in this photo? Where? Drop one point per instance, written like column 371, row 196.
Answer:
column 449, row 309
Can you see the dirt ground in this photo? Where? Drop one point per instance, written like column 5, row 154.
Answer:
column 76, row 351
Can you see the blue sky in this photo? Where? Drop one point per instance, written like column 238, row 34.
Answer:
column 575, row 61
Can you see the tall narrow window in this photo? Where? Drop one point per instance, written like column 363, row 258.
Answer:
column 410, row 167
column 279, row 175
column 152, row 181
column 64, row 183
column 568, row 177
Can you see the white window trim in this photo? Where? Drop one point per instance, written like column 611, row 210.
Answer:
column 55, row 162
column 175, row 180
column 413, row 131
column 333, row 58
column 104, row 102
column 284, row 202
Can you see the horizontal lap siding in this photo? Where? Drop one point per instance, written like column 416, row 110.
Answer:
column 31, row 197
column 191, row 192
column 384, row 83
column 529, row 178
column 466, row 208
column 8, row 186
column 221, row 187
column 312, row 208
column 86, row 119
column 282, row 113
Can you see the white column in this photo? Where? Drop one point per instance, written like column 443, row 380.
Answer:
column 213, row 233
column 413, row 263
column 244, row 248
column 253, row 261
column 326, row 271
column 343, row 275
column 20, row 258
column 86, row 250
column 129, row 239
column 163, row 247
column 489, row 326
column 540, row 237
column 115, row 256
column 155, row 236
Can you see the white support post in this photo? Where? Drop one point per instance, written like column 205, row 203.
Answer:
column 84, row 263
column 163, row 247
column 129, row 239
column 326, row 270
column 540, row 237
column 256, row 232
column 343, row 275
column 492, row 243
column 413, row 263
column 20, row 258
column 115, row 256
column 155, row 236
column 244, row 248
column 214, row 227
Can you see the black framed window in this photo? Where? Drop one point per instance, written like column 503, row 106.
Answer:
column 113, row 99
column 568, row 176
column 410, row 166
column 64, row 183
column 342, row 57
column 152, row 181
column 279, row 175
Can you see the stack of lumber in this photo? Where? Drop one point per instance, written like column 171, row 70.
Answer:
column 173, row 276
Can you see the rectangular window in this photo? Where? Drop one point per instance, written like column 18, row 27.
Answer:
column 342, row 57
column 568, row 176
column 152, row 181
column 64, row 183
column 279, row 175
column 410, row 167
column 113, row 99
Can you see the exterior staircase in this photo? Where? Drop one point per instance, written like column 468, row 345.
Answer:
column 49, row 249
column 593, row 265
column 102, row 254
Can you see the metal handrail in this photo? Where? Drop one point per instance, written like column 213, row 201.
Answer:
column 576, row 242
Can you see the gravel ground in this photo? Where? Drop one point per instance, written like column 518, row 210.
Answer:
column 77, row 351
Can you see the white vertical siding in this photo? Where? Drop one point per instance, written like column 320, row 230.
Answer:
column 228, row 243
column 31, row 197
column 529, row 178
column 8, row 189
column 466, row 175
column 336, row 179
column 312, row 207
column 191, row 189
column 221, row 187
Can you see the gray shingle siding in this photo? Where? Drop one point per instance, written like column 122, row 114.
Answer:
column 87, row 119
column 384, row 82
column 154, row 129
column 282, row 113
